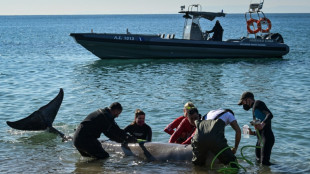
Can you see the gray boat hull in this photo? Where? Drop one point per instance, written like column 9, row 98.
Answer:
column 128, row 46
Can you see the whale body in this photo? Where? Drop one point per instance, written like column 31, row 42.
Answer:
column 155, row 151
column 151, row 150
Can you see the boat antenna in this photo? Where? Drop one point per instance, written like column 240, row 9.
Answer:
column 197, row 6
column 182, row 7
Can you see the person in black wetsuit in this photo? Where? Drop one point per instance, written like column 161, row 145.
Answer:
column 217, row 31
column 261, row 112
column 138, row 128
column 101, row 121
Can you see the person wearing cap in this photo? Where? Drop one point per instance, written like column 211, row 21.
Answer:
column 138, row 128
column 173, row 125
column 262, row 113
column 100, row 121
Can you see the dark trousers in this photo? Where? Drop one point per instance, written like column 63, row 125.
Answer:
column 88, row 146
column 267, row 142
column 209, row 137
column 91, row 149
column 202, row 149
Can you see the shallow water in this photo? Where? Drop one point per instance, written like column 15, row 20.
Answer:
column 37, row 57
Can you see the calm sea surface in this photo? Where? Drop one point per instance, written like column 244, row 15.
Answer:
column 37, row 57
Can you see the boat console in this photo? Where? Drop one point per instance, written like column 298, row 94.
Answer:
column 192, row 29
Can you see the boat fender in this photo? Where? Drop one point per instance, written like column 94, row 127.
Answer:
column 264, row 21
column 250, row 23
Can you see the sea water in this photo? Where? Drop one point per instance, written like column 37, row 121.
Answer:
column 37, row 57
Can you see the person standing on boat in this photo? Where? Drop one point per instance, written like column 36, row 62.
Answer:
column 183, row 133
column 138, row 128
column 173, row 125
column 260, row 112
column 100, row 121
column 217, row 32
column 209, row 136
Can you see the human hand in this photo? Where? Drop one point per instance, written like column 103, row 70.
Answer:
column 66, row 138
column 133, row 140
column 251, row 132
column 234, row 150
column 130, row 139
column 260, row 126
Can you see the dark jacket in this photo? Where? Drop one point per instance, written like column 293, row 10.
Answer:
column 259, row 107
column 101, row 121
column 218, row 32
column 140, row 132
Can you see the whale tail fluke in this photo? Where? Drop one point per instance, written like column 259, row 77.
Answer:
column 41, row 119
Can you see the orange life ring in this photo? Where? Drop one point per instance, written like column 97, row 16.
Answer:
column 262, row 20
column 250, row 23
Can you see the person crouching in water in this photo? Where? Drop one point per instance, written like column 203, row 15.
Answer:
column 138, row 128
column 182, row 134
column 170, row 129
column 101, row 121
column 209, row 136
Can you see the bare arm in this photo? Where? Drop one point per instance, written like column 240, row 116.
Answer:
column 236, row 127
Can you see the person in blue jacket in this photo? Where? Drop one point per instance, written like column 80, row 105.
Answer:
column 260, row 112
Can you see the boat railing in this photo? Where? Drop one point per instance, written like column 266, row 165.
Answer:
column 197, row 6
column 255, row 19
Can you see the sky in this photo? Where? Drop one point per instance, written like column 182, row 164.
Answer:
column 72, row 7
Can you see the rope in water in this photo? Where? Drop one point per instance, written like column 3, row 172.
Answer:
column 231, row 169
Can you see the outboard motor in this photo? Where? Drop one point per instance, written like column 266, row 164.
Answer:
column 274, row 36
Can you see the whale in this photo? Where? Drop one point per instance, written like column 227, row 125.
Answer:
column 43, row 118
column 156, row 151
column 151, row 151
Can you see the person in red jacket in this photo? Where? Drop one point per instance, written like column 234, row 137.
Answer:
column 173, row 125
column 183, row 133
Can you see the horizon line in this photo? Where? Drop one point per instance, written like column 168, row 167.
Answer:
column 132, row 14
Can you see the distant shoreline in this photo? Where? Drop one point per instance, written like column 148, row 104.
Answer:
column 127, row 14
